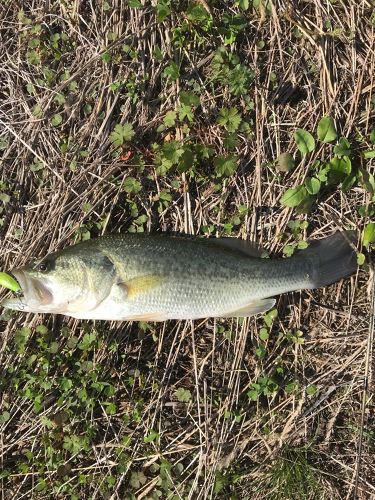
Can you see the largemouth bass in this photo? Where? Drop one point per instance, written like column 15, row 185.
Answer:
column 159, row 277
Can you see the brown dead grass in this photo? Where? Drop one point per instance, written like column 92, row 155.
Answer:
column 325, row 52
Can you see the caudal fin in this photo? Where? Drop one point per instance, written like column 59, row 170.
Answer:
column 332, row 258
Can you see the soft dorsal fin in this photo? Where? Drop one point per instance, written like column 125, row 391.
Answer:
column 255, row 307
column 248, row 248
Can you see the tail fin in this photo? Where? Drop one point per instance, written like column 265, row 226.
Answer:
column 333, row 258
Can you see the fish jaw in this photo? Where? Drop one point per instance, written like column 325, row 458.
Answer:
column 35, row 292
column 34, row 295
column 16, row 304
column 19, row 304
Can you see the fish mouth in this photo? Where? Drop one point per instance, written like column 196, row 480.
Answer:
column 33, row 291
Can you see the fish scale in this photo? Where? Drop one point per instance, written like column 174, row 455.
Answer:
column 198, row 279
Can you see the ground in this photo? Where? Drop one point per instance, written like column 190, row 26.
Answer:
column 172, row 116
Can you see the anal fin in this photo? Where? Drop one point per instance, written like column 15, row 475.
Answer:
column 255, row 307
column 154, row 316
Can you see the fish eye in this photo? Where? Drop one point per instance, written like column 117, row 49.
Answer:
column 46, row 265
column 43, row 266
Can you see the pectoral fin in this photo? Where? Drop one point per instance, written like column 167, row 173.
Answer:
column 140, row 284
column 256, row 307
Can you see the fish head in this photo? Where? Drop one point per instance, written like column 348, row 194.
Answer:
column 70, row 281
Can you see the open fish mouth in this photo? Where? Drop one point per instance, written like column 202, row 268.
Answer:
column 33, row 291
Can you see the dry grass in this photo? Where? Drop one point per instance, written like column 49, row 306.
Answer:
column 220, row 442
